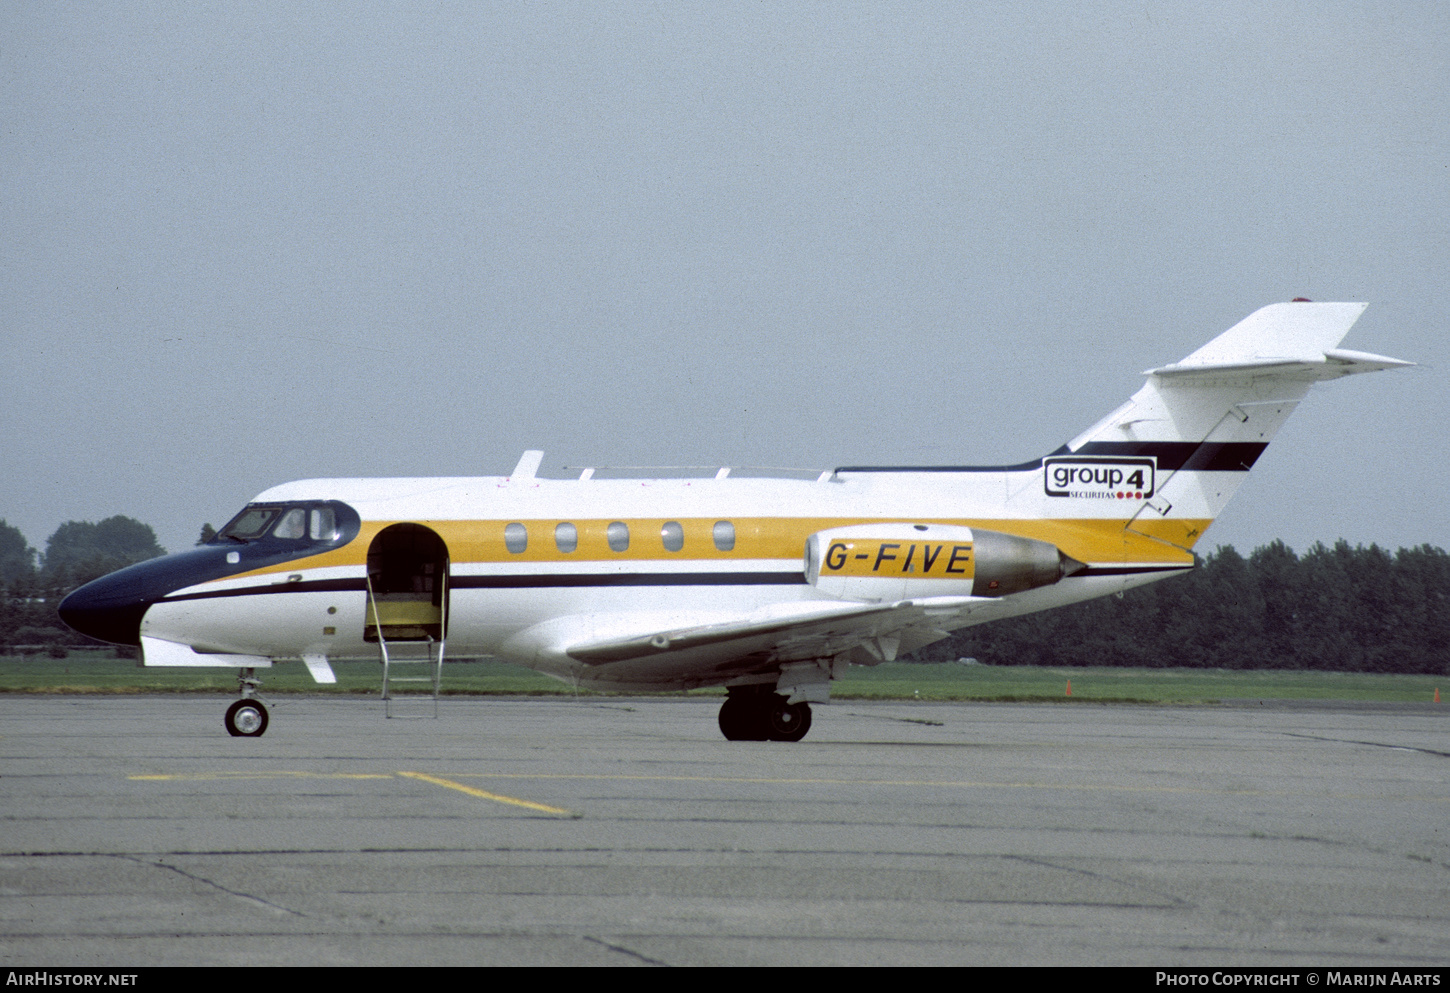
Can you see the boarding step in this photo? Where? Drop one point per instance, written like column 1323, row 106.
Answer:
column 411, row 644
column 408, row 666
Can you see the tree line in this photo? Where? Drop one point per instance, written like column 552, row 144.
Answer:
column 32, row 584
column 1350, row 609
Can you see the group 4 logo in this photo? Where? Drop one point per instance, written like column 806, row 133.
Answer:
column 1099, row 477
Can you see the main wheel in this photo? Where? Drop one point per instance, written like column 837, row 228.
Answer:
column 739, row 721
column 246, row 719
column 787, row 721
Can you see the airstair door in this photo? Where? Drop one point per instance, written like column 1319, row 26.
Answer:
column 407, row 612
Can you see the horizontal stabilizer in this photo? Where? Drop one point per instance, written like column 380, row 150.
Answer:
column 1331, row 365
column 1284, row 340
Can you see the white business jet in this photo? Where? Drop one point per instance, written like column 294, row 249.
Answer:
column 767, row 587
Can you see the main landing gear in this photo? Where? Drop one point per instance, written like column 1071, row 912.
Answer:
column 758, row 713
column 247, row 718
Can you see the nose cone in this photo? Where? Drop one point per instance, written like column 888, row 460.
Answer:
column 111, row 608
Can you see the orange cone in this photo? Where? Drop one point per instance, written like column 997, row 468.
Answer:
column 1069, row 690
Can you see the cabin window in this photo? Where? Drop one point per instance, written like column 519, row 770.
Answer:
column 566, row 537
column 724, row 534
column 516, row 537
column 292, row 525
column 673, row 536
column 618, row 535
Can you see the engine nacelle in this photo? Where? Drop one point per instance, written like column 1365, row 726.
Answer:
column 886, row 562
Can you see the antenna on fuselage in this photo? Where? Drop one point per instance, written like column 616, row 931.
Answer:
column 528, row 465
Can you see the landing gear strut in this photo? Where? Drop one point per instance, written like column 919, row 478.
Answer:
column 756, row 713
column 247, row 718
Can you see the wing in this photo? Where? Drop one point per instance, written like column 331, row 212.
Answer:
column 817, row 631
column 683, row 651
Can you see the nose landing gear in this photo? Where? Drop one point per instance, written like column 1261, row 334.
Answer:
column 247, row 718
column 758, row 714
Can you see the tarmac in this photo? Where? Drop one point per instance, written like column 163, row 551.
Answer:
column 613, row 831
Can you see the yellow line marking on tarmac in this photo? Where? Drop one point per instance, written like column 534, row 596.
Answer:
column 754, row 780
column 484, row 794
column 273, row 774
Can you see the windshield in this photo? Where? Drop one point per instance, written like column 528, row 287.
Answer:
column 249, row 524
column 304, row 524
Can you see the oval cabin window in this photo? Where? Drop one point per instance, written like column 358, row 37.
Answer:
column 673, row 536
column 724, row 534
column 566, row 537
column 516, row 537
column 618, row 535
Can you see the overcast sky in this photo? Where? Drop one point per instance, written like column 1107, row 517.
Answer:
column 249, row 243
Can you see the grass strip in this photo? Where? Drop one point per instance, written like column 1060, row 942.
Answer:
column 101, row 672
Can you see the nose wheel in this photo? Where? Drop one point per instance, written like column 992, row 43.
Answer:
column 246, row 719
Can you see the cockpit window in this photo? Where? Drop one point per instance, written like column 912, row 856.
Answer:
column 293, row 524
column 309, row 524
column 249, row 524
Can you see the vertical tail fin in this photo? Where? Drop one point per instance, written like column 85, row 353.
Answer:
column 1199, row 425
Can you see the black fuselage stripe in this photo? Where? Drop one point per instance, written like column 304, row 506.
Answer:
column 1208, row 456
column 553, row 581
column 630, row 579
column 605, row 580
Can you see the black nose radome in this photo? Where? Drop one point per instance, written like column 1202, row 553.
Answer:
column 109, row 609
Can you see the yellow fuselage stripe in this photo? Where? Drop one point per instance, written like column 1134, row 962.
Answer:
column 1090, row 540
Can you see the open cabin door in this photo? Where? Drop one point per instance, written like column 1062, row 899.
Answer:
column 407, row 585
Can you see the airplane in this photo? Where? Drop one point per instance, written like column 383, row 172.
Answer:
column 768, row 587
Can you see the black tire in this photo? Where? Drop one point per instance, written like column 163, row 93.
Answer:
column 739, row 721
column 788, row 721
column 246, row 719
